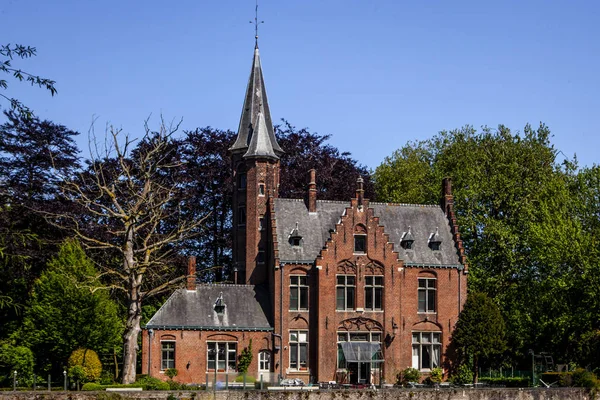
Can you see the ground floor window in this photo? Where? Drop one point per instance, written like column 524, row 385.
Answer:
column 299, row 350
column 264, row 361
column 222, row 356
column 167, row 355
column 426, row 350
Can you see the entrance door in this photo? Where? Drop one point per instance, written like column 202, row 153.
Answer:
column 360, row 373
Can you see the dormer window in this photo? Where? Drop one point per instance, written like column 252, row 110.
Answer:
column 435, row 240
column 295, row 238
column 219, row 305
column 407, row 240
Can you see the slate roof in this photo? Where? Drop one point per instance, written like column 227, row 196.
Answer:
column 247, row 307
column 260, row 145
column 255, row 103
column 396, row 219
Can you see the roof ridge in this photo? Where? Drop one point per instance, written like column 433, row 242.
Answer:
column 225, row 284
column 403, row 204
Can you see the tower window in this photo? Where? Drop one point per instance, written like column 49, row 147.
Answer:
column 360, row 243
column 261, row 223
column 241, row 180
column 261, row 189
column 242, row 215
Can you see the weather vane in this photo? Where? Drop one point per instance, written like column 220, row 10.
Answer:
column 256, row 23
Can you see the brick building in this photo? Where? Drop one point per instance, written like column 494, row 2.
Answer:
column 351, row 291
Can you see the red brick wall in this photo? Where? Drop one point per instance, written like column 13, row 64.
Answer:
column 400, row 299
column 191, row 352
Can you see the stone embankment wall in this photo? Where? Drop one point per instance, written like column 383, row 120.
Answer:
column 392, row 394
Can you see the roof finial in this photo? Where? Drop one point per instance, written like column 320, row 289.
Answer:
column 256, row 23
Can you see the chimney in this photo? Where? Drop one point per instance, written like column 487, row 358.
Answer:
column 312, row 191
column 360, row 193
column 447, row 197
column 191, row 275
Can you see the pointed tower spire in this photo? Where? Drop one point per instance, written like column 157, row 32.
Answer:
column 260, row 143
column 256, row 103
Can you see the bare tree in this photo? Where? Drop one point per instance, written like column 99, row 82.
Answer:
column 130, row 207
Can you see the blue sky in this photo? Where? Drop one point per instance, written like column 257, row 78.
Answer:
column 373, row 74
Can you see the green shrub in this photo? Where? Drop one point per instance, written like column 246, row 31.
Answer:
column 91, row 386
column 583, row 378
column 176, row 385
column 90, row 364
column 245, row 358
column 171, row 372
column 107, row 378
column 249, row 378
column 15, row 358
column 464, row 375
column 408, row 375
column 435, row 376
column 150, row 383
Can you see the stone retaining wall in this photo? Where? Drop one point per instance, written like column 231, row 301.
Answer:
column 391, row 394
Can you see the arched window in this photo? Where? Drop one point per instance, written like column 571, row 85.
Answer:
column 264, row 361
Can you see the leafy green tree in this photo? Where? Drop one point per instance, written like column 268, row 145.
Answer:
column 527, row 222
column 9, row 53
column 33, row 154
column 480, row 331
column 15, row 358
column 69, row 309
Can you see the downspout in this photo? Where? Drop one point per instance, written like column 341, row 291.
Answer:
column 281, row 321
column 460, row 268
column 150, row 334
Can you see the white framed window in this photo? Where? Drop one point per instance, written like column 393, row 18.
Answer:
column 264, row 361
column 167, row 358
column 427, row 295
column 299, row 350
column 298, row 292
column 426, row 350
column 222, row 356
column 374, row 292
column 345, row 292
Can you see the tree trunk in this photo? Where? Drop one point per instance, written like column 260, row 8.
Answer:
column 475, row 370
column 130, row 338
column 134, row 311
